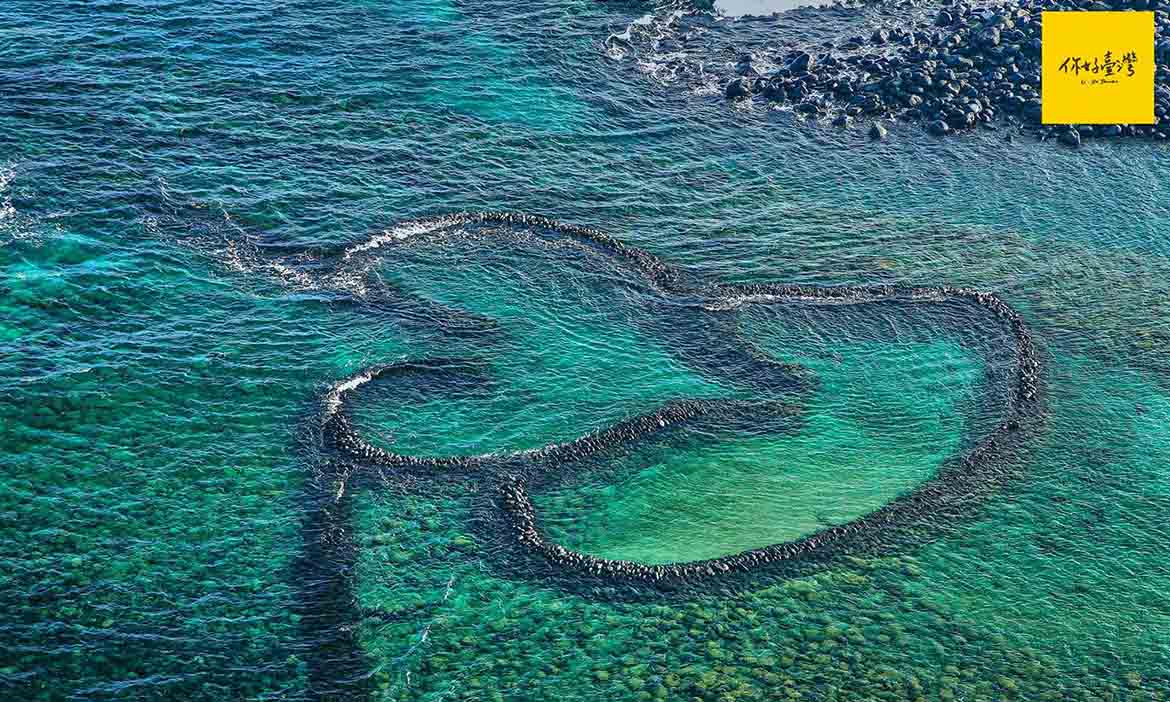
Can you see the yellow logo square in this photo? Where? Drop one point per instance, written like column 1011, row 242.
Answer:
column 1097, row 68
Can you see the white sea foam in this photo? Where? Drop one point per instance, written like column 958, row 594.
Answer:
column 647, row 28
column 335, row 397
column 13, row 225
column 400, row 232
column 7, row 174
column 732, row 303
column 239, row 257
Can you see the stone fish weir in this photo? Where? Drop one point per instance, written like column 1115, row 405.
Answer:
column 961, row 478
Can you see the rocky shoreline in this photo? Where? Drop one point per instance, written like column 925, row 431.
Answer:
column 971, row 67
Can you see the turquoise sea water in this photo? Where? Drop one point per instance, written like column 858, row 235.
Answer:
column 175, row 179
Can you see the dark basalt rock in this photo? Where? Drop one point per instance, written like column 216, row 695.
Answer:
column 774, row 90
column 877, row 132
column 1070, row 137
column 802, row 63
column 964, row 67
column 738, row 89
column 744, row 67
column 988, row 38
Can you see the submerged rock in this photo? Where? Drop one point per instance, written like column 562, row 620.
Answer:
column 738, row 89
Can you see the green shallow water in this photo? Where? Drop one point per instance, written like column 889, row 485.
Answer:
column 883, row 421
column 170, row 176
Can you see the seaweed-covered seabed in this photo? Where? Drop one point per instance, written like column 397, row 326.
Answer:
column 164, row 169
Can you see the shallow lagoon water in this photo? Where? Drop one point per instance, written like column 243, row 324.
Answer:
column 170, row 176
